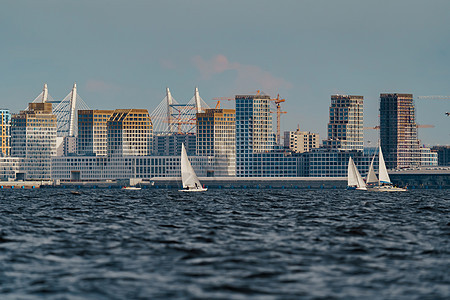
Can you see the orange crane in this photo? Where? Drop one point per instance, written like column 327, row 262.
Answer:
column 277, row 102
column 218, row 99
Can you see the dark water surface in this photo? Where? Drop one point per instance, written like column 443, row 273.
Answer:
column 226, row 244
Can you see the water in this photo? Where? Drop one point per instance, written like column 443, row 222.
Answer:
column 226, row 244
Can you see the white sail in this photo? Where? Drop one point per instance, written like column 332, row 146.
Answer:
column 188, row 176
column 354, row 177
column 361, row 183
column 382, row 174
column 371, row 176
column 352, row 180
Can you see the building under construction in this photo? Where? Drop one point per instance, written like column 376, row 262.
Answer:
column 398, row 131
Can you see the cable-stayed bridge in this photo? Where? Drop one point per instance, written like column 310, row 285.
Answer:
column 66, row 111
column 172, row 117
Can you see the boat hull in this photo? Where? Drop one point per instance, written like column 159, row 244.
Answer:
column 387, row 188
column 194, row 190
column 354, row 188
column 131, row 188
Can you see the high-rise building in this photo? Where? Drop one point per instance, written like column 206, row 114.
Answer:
column 5, row 132
column 300, row 141
column 216, row 137
column 254, row 133
column 92, row 132
column 256, row 154
column 398, row 131
column 130, row 133
column 33, row 137
column 345, row 129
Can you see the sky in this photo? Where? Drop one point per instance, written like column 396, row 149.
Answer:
column 123, row 54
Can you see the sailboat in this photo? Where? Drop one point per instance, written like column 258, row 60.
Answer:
column 383, row 182
column 355, row 180
column 188, row 176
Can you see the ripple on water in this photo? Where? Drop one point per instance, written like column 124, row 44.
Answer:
column 265, row 244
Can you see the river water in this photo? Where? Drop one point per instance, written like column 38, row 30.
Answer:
column 224, row 244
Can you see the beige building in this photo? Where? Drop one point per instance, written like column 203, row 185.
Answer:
column 92, row 132
column 300, row 141
column 130, row 133
column 216, row 137
column 345, row 129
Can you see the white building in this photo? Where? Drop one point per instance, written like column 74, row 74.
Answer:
column 300, row 141
column 428, row 158
column 9, row 166
column 144, row 167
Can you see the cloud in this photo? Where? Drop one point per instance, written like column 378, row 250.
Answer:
column 167, row 64
column 248, row 76
column 93, row 85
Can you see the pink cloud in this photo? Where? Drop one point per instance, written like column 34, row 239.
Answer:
column 248, row 76
column 93, row 85
column 167, row 64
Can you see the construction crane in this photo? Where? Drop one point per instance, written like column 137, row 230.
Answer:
column 219, row 99
column 223, row 98
column 277, row 102
column 433, row 97
column 417, row 126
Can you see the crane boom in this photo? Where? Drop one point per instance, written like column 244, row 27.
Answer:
column 433, row 97
column 277, row 102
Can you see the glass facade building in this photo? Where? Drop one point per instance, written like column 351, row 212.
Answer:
column 33, row 137
column 333, row 163
column 256, row 154
column 443, row 155
column 170, row 143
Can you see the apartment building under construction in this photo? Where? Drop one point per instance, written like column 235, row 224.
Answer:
column 398, row 131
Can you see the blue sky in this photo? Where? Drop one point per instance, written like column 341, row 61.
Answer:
column 124, row 53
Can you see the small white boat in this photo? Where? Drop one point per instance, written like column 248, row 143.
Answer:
column 131, row 188
column 383, row 182
column 188, row 176
column 354, row 178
